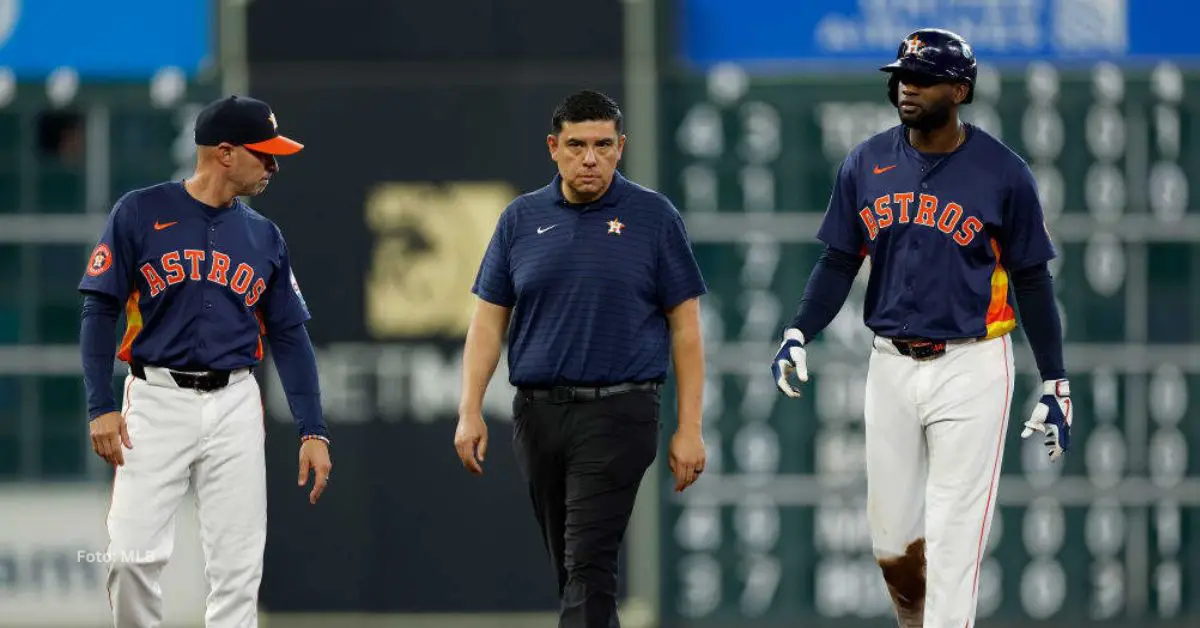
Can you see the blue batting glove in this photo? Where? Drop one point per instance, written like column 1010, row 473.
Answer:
column 1052, row 417
column 791, row 358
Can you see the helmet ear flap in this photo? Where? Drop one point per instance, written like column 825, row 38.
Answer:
column 971, row 78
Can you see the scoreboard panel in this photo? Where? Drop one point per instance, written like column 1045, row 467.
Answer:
column 775, row 533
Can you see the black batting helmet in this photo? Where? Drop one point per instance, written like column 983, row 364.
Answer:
column 936, row 53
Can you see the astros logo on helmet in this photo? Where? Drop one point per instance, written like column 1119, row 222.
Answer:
column 934, row 53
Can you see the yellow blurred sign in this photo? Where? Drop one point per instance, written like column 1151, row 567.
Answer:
column 429, row 240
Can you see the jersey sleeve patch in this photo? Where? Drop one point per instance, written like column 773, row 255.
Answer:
column 100, row 260
column 296, row 289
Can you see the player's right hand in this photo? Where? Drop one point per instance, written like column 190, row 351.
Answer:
column 109, row 432
column 791, row 358
column 470, row 440
column 1052, row 418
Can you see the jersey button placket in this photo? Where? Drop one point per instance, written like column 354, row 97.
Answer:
column 914, row 261
column 212, row 247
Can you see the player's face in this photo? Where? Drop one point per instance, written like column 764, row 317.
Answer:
column 587, row 154
column 926, row 104
column 252, row 171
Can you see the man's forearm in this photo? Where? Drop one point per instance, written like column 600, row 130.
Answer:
column 828, row 286
column 296, row 364
column 1039, row 316
column 98, row 346
column 481, row 354
column 687, row 352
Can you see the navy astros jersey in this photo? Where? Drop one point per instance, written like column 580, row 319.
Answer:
column 201, row 285
column 942, row 231
column 589, row 284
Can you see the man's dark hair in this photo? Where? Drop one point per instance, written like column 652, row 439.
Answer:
column 586, row 106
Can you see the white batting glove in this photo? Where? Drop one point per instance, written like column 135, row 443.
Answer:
column 791, row 358
column 1052, row 417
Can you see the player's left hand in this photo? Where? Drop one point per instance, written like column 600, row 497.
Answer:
column 790, row 359
column 1052, row 417
column 314, row 458
column 686, row 457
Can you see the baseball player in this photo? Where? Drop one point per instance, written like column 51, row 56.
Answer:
column 202, row 279
column 951, row 222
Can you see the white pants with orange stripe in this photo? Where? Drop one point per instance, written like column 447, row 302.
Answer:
column 211, row 442
column 934, row 445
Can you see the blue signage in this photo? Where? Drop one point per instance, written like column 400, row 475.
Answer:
column 129, row 39
column 834, row 33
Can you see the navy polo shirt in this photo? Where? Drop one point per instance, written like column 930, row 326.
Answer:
column 589, row 285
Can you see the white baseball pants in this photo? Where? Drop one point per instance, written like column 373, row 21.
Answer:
column 212, row 442
column 935, row 433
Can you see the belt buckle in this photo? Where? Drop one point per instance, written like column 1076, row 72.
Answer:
column 190, row 381
column 199, row 382
column 561, row 394
column 927, row 349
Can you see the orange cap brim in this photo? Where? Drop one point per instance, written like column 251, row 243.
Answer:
column 278, row 145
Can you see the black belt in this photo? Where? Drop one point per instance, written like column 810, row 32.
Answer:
column 919, row 348
column 564, row 394
column 205, row 381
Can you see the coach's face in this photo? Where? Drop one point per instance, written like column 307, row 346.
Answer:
column 587, row 154
column 924, row 103
column 249, row 171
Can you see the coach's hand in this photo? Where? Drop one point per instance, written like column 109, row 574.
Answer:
column 686, row 457
column 1052, row 417
column 470, row 440
column 109, row 432
column 791, row 358
column 314, row 458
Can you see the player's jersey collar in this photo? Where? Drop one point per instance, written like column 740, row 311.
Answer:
column 208, row 211
column 902, row 140
column 931, row 161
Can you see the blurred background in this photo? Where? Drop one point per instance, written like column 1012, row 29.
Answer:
column 422, row 120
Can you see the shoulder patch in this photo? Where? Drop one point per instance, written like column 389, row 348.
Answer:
column 296, row 289
column 100, row 260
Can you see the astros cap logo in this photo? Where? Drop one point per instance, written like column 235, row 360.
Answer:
column 914, row 46
column 273, row 122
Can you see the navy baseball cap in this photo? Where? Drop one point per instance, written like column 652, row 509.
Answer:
column 243, row 121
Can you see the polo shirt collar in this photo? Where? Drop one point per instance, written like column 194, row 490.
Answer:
column 615, row 191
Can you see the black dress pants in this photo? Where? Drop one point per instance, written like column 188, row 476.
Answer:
column 583, row 462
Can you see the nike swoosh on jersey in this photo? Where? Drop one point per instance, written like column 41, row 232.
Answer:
column 159, row 226
column 542, row 230
column 879, row 170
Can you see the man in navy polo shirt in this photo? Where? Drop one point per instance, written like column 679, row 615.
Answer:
column 597, row 278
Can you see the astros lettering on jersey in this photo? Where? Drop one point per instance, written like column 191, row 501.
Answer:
column 215, row 265
column 941, row 231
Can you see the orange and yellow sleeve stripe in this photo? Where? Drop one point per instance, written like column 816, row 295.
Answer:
column 1001, row 318
column 133, row 327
